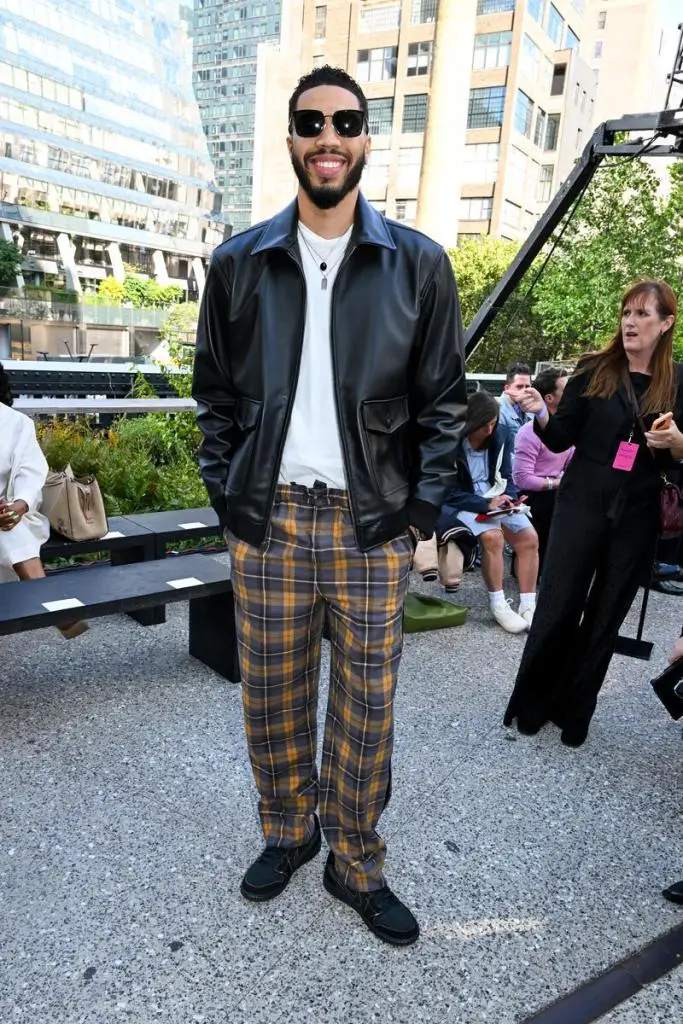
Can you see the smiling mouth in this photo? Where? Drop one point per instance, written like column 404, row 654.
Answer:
column 327, row 166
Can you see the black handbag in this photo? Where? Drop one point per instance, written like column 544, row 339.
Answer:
column 671, row 495
column 669, row 688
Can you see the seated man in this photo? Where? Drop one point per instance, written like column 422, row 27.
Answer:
column 485, row 483
column 538, row 471
column 511, row 415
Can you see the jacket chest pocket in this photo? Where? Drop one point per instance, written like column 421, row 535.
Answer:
column 247, row 416
column 386, row 442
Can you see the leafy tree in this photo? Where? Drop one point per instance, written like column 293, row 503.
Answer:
column 178, row 331
column 623, row 228
column 515, row 336
column 135, row 290
column 11, row 260
column 111, row 290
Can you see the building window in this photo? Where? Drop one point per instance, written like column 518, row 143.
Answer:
column 406, row 210
column 486, row 106
column 481, row 162
column 524, row 114
column 602, row 19
column 476, row 208
column 512, row 214
column 381, row 115
column 571, row 40
column 422, row 12
column 376, row 65
column 380, row 18
column 495, row 6
column 517, row 164
column 377, row 172
column 597, row 52
column 530, row 58
column 555, row 27
column 492, row 50
column 545, row 183
column 409, row 165
column 536, row 8
column 559, row 77
column 414, row 113
column 320, row 21
column 419, row 58
column 410, row 156
column 541, row 122
column 552, row 132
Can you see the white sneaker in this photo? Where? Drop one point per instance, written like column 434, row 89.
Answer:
column 527, row 615
column 508, row 618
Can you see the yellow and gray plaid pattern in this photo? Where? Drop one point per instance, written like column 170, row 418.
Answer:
column 310, row 569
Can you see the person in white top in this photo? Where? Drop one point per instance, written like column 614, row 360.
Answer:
column 23, row 471
column 330, row 388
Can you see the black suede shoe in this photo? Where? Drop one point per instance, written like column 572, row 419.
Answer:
column 269, row 874
column 674, row 893
column 382, row 912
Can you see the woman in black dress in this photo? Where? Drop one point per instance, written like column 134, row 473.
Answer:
column 604, row 531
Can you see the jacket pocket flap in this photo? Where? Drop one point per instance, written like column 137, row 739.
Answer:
column 247, row 413
column 386, row 416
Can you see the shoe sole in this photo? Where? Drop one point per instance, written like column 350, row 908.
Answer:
column 253, row 896
column 340, row 894
column 513, row 632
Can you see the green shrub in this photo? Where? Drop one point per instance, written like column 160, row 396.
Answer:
column 142, row 464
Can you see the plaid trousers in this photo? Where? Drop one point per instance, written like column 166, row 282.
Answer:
column 309, row 569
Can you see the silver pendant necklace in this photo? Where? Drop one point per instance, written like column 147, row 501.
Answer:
column 326, row 266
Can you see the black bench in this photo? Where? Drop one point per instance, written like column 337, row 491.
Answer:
column 126, row 541
column 179, row 524
column 139, row 538
column 107, row 590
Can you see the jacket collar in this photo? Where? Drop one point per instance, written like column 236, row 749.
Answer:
column 370, row 228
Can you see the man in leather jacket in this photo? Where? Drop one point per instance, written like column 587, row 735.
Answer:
column 329, row 380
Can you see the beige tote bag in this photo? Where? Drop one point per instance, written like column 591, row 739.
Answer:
column 74, row 507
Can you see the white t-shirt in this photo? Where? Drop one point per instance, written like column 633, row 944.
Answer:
column 313, row 449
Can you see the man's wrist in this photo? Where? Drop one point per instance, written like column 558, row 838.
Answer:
column 543, row 415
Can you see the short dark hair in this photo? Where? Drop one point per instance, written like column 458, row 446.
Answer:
column 327, row 75
column 546, row 381
column 5, row 390
column 514, row 369
column 481, row 409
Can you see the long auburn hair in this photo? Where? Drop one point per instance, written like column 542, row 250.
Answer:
column 609, row 367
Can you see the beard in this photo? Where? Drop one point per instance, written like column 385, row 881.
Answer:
column 325, row 197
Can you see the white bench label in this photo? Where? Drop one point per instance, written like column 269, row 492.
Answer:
column 191, row 526
column 58, row 606
column 189, row 581
column 112, row 534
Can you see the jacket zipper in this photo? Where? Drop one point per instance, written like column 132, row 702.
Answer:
column 337, row 400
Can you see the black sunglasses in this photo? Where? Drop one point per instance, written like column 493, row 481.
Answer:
column 308, row 124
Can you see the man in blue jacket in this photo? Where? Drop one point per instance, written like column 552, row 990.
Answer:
column 484, row 486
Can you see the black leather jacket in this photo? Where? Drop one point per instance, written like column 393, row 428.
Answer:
column 399, row 373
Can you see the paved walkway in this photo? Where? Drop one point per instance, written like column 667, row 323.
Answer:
column 129, row 815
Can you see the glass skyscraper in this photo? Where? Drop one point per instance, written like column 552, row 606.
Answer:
column 103, row 160
column 226, row 36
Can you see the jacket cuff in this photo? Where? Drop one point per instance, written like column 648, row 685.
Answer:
column 423, row 515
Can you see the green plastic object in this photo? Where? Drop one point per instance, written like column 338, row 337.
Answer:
column 423, row 612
